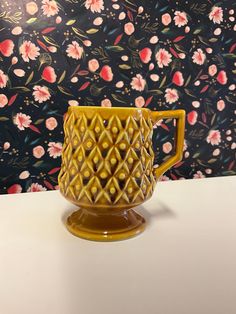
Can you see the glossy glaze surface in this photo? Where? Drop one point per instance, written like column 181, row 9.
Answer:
column 107, row 168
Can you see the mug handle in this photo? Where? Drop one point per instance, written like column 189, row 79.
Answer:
column 179, row 115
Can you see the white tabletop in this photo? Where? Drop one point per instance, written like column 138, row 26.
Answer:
column 184, row 263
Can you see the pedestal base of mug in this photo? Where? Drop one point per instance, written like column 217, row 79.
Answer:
column 105, row 227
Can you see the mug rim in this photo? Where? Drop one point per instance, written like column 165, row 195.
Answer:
column 71, row 108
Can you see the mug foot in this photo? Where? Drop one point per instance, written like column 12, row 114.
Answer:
column 104, row 227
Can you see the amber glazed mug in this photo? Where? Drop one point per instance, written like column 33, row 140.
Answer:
column 107, row 168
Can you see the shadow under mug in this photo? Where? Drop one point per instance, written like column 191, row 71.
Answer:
column 108, row 168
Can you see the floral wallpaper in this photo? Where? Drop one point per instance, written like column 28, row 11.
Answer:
column 155, row 54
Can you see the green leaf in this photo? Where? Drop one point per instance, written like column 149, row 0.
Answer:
column 4, row 119
column 21, row 89
column 230, row 99
column 188, row 81
column 70, row 22
column 229, row 55
column 32, row 20
column 229, row 173
column 64, row 90
column 163, row 82
column 38, row 163
column 197, row 31
column 213, row 119
column 124, row 66
column 202, row 40
column 30, row 78
column 213, row 40
column 95, row 90
column 38, row 121
column 196, row 155
column 92, row 31
column 211, row 161
column 189, row 92
column 165, row 30
column 115, row 48
column 118, row 98
column 155, row 91
column 133, row 42
column 62, row 77
column 79, row 32
column 50, row 41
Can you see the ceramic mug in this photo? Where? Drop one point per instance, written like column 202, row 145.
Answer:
column 108, row 168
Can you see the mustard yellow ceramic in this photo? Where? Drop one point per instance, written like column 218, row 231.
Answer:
column 107, row 168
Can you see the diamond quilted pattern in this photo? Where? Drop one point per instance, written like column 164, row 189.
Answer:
column 107, row 160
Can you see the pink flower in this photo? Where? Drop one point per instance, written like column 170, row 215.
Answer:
column 138, row 83
column 15, row 188
column 3, row 79
column 6, row 47
column 180, row 18
column 87, row 43
column 187, row 29
column 106, row 103
column 41, row 93
column 171, row 95
column 96, row 6
column 52, row 49
column 6, row 145
column 216, row 152
column 167, row 147
column 50, row 8
column 178, row 78
column 214, row 137
column 192, row 117
column 106, row 73
column 17, row 30
column 163, row 58
column 212, row 70
column 58, row 20
column 54, row 149
column 22, row 121
column 3, row 100
column 19, row 72
column 154, row 77
column 216, row 15
column 164, row 178
column 220, row 105
column 24, row 175
column 153, row 40
column 166, row 19
column 31, row 8
column 98, row 21
column 139, row 102
column 74, row 50
column 145, row 55
column 35, row 187
column 38, row 151
column 222, row 77
column 199, row 57
column 198, row 175
column 73, row 102
column 129, row 28
column 151, row 66
column 49, row 74
column 14, row 60
column 120, row 84
column 29, row 51
column 209, row 50
column 93, row 65
column 51, row 123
